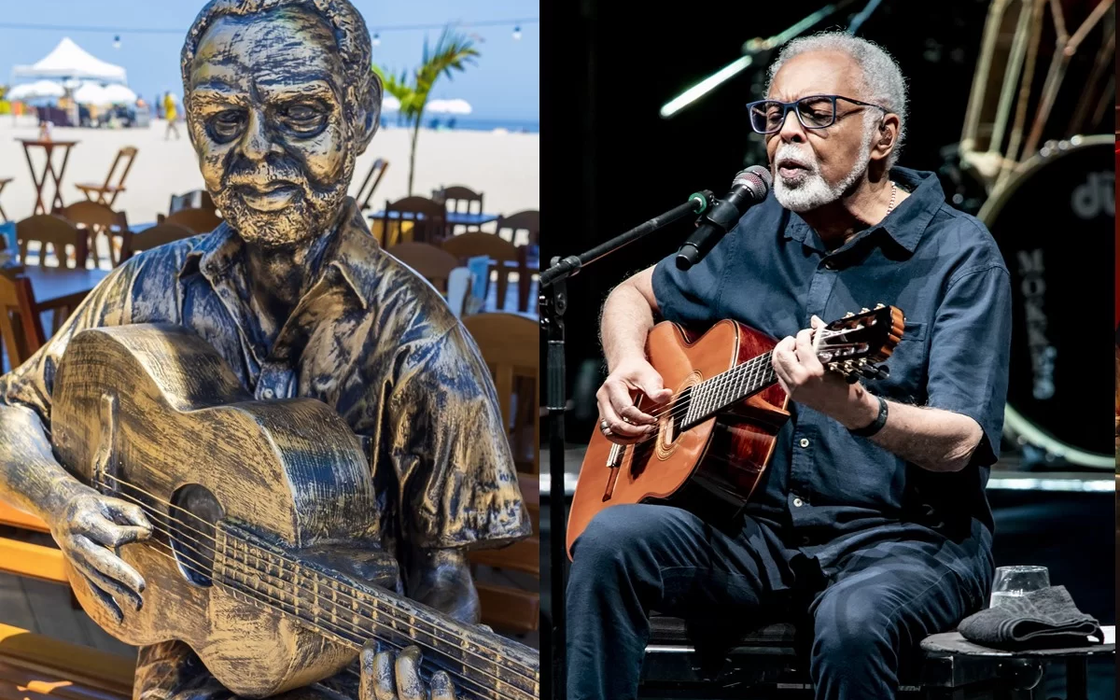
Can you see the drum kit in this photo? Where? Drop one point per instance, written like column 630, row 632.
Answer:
column 1047, row 183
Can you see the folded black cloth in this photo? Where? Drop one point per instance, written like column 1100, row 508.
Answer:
column 1042, row 619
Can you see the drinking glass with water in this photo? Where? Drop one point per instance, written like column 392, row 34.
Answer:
column 1015, row 581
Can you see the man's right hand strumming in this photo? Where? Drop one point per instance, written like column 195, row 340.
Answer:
column 620, row 420
column 84, row 526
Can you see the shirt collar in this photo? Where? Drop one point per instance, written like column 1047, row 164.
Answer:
column 352, row 253
column 905, row 225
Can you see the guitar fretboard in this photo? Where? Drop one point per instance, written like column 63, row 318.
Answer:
column 350, row 614
column 728, row 388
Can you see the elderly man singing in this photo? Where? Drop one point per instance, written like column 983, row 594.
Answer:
column 871, row 524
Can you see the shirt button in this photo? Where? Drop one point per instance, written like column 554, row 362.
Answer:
column 804, row 442
column 798, row 502
column 805, row 540
column 830, row 265
column 268, row 393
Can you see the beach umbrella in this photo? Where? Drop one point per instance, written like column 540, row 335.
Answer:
column 41, row 88
column 449, row 107
column 458, row 107
column 119, row 94
column 390, row 104
column 90, row 94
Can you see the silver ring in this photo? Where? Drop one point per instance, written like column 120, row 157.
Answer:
column 605, row 427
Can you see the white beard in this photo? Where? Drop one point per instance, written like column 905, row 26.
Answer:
column 814, row 191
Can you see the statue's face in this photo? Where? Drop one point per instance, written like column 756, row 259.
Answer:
column 264, row 109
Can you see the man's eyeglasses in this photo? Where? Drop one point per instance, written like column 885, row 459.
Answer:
column 813, row 111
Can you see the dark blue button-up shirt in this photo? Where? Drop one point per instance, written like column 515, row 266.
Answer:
column 826, row 492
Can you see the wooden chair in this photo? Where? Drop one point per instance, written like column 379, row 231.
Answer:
column 41, row 666
column 196, row 199
column 20, row 325
column 153, row 237
column 418, row 219
column 373, row 179
column 528, row 221
column 507, row 258
column 96, row 219
column 69, row 243
column 461, row 200
column 509, row 343
column 107, row 192
column 197, row 220
column 432, row 263
column 3, row 181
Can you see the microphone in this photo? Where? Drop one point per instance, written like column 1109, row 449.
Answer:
column 749, row 188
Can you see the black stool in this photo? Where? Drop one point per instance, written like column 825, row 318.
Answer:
column 957, row 668
column 767, row 662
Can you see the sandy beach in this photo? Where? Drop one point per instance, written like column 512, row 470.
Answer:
column 503, row 166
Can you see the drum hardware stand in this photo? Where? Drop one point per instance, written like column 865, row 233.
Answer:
column 553, row 303
column 1066, row 48
column 991, row 165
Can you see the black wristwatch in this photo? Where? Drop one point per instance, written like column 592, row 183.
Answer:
column 876, row 425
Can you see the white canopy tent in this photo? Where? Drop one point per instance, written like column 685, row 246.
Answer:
column 68, row 60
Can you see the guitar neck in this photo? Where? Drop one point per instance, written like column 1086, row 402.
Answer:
column 482, row 666
column 726, row 389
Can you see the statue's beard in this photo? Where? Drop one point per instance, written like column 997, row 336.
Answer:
column 310, row 212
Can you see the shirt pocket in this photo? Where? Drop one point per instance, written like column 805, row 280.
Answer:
column 907, row 366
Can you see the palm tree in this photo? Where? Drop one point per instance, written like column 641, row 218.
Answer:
column 452, row 52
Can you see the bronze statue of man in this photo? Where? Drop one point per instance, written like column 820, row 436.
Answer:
column 295, row 294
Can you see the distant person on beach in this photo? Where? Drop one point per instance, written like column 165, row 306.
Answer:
column 169, row 111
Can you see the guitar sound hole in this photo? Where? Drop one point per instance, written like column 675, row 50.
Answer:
column 193, row 532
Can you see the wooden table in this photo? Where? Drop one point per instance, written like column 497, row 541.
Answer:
column 40, row 181
column 61, row 287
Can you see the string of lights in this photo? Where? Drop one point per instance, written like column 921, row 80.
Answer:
column 515, row 23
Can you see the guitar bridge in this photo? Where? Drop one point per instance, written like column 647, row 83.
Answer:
column 614, row 463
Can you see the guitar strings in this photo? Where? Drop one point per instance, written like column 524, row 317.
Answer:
column 301, row 586
column 679, row 407
column 320, row 625
column 259, row 558
column 353, row 634
column 735, row 373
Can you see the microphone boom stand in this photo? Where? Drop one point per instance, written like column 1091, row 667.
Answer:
column 553, row 302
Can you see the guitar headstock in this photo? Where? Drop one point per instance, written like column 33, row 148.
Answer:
column 855, row 345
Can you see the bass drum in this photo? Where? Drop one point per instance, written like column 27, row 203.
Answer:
column 1054, row 221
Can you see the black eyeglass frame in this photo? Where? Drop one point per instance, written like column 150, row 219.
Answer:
column 787, row 106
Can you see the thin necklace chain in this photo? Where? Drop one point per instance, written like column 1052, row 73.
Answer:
column 894, row 191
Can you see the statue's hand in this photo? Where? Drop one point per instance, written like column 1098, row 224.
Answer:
column 388, row 675
column 83, row 527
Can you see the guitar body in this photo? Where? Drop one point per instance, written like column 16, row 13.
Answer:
column 715, row 465
column 156, row 409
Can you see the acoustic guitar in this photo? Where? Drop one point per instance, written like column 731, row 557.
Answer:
column 264, row 556
column 716, row 433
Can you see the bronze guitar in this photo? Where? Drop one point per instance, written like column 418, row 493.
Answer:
column 716, row 433
column 262, row 557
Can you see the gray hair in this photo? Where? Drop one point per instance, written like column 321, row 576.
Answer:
column 882, row 78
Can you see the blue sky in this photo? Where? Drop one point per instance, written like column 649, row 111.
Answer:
column 503, row 84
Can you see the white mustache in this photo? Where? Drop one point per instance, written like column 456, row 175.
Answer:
column 790, row 152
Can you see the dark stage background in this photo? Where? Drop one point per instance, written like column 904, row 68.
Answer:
column 610, row 162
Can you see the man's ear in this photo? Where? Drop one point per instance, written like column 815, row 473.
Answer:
column 369, row 117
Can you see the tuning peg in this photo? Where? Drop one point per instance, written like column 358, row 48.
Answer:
column 879, row 306
column 873, row 372
column 864, row 310
column 849, row 315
